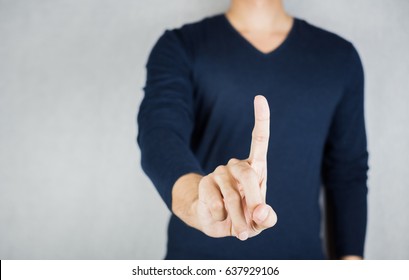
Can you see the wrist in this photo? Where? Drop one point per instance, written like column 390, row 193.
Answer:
column 185, row 199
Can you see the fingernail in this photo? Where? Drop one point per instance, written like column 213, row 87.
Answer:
column 263, row 214
column 243, row 236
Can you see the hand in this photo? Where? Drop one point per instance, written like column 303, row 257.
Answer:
column 351, row 257
column 232, row 199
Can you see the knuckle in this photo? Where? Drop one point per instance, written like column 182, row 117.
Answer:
column 233, row 161
column 221, row 169
column 232, row 197
column 216, row 206
column 260, row 138
column 219, row 177
column 204, row 184
column 256, row 228
column 204, row 181
column 247, row 173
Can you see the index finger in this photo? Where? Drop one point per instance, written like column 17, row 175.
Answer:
column 261, row 130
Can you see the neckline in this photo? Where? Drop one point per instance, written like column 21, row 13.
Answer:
column 249, row 45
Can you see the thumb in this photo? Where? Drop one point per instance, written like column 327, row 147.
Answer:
column 264, row 217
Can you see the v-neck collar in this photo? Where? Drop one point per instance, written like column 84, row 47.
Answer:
column 247, row 43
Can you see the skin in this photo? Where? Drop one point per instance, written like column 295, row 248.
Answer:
column 264, row 23
column 231, row 201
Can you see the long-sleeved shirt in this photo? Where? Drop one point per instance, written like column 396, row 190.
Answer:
column 197, row 113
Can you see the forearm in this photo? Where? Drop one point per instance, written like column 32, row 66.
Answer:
column 350, row 216
column 345, row 164
column 166, row 116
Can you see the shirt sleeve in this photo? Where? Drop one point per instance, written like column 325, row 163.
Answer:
column 345, row 165
column 166, row 116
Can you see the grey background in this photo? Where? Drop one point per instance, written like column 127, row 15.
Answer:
column 71, row 74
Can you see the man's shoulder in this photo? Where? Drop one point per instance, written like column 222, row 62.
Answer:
column 321, row 39
column 192, row 34
column 196, row 29
column 326, row 46
column 199, row 25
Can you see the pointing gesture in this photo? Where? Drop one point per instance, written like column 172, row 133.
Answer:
column 259, row 140
column 231, row 200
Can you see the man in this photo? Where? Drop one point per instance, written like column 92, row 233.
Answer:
column 197, row 117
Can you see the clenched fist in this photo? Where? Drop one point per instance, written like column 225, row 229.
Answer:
column 231, row 201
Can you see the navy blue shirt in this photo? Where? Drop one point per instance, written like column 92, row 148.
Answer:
column 197, row 113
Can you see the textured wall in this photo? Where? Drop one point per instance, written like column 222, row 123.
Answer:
column 71, row 74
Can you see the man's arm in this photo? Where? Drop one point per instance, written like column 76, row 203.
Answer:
column 166, row 117
column 212, row 203
column 345, row 166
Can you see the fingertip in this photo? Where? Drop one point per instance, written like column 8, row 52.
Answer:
column 258, row 96
column 265, row 216
column 243, row 236
column 261, row 107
